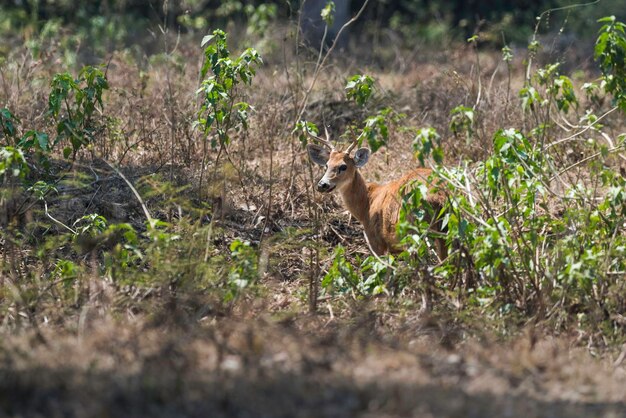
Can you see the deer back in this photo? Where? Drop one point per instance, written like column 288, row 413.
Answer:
column 384, row 210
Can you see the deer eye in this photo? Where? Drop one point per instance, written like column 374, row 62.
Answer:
column 342, row 167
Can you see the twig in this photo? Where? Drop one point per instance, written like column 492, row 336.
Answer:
column 45, row 205
column 540, row 19
column 343, row 240
column 330, row 312
column 320, row 64
column 376, row 256
column 141, row 202
column 584, row 160
column 586, row 128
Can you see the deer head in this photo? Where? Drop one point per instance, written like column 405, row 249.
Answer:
column 340, row 166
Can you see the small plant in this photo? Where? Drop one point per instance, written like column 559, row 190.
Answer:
column 12, row 163
column 328, row 13
column 507, row 54
column 92, row 224
column 260, row 18
column 462, row 122
column 8, row 126
column 243, row 271
column 30, row 140
column 375, row 128
column 72, row 104
column 220, row 111
column 610, row 52
column 341, row 276
column 427, row 143
column 41, row 189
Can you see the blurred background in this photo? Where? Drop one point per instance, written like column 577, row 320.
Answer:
column 89, row 29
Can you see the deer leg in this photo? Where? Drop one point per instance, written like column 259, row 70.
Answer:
column 376, row 246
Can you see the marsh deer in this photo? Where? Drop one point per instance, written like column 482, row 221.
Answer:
column 376, row 206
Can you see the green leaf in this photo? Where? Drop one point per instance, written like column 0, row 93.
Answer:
column 359, row 88
column 328, row 13
column 42, row 139
column 206, row 40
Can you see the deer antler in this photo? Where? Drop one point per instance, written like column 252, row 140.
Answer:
column 322, row 140
column 353, row 144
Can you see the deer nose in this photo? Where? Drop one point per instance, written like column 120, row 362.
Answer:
column 322, row 186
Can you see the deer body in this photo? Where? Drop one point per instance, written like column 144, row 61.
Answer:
column 376, row 206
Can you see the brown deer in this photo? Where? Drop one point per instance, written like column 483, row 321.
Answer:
column 376, row 206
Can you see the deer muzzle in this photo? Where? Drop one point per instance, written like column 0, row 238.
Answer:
column 324, row 187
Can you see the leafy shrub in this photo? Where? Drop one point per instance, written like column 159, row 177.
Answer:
column 610, row 52
column 243, row 271
column 72, row 103
column 525, row 239
column 220, row 110
column 343, row 278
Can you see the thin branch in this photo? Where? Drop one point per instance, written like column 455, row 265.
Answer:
column 141, row 202
column 584, row 160
column 320, row 65
column 56, row 221
column 585, row 129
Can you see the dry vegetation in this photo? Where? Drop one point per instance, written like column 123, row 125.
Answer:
column 166, row 333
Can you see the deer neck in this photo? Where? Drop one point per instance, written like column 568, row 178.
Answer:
column 356, row 198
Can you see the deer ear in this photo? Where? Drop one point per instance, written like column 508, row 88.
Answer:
column 319, row 155
column 361, row 156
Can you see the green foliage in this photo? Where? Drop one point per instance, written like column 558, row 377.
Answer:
column 303, row 129
column 376, row 128
column 414, row 219
column 41, row 189
column 376, row 274
column 610, row 52
column 126, row 252
column 243, row 270
column 219, row 110
column 92, row 224
column 530, row 98
column 328, row 13
column 359, row 88
column 342, row 278
column 35, row 140
column 497, row 215
column 514, row 159
column 507, row 54
column 462, row 121
column 548, row 89
column 66, row 271
column 72, row 103
column 260, row 18
column 31, row 140
column 12, row 163
column 426, row 143
column 7, row 125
